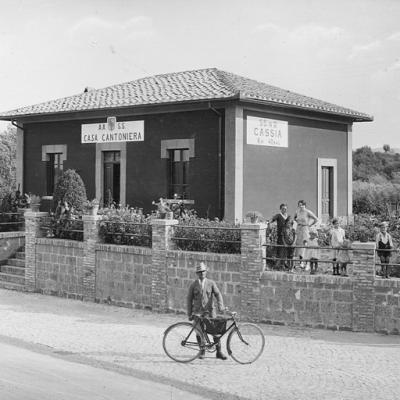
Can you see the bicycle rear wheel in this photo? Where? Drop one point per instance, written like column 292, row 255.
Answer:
column 245, row 343
column 180, row 342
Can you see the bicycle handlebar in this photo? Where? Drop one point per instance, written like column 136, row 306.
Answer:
column 231, row 313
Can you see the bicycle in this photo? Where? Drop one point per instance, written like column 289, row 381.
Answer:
column 183, row 342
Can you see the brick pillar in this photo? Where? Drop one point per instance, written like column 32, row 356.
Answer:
column 90, row 239
column 252, row 251
column 32, row 231
column 161, row 233
column 363, row 287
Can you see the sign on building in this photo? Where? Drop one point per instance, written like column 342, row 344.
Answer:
column 267, row 132
column 113, row 131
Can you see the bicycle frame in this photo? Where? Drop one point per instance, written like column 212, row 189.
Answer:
column 208, row 345
column 184, row 341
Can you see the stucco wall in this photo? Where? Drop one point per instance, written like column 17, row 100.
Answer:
column 79, row 157
column 275, row 175
column 147, row 175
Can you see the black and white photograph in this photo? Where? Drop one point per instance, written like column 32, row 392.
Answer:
column 199, row 200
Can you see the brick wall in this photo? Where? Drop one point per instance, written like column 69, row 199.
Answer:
column 308, row 300
column 123, row 275
column 159, row 278
column 224, row 269
column 59, row 267
column 387, row 306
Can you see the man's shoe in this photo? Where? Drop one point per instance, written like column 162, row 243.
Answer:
column 202, row 354
column 221, row 356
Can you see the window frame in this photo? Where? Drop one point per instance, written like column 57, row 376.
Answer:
column 178, row 172
column 48, row 155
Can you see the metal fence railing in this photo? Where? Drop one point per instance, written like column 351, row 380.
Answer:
column 207, row 239
column 126, row 233
column 11, row 221
column 62, row 228
column 308, row 259
column 387, row 263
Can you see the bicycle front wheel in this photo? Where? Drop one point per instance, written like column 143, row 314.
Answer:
column 180, row 342
column 245, row 343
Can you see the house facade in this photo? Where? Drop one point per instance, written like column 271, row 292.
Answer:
column 228, row 143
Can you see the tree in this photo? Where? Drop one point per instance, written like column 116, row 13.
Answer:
column 386, row 148
column 366, row 164
column 8, row 154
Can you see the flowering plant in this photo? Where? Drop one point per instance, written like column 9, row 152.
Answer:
column 88, row 204
column 254, row 216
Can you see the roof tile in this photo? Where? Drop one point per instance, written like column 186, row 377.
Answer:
column 204, row 84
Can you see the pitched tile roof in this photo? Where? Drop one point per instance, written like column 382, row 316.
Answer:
column 179, row 87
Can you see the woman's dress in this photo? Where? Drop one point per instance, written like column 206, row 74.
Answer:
column 303, row 218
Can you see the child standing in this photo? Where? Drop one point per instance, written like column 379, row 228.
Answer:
column 312, row 253
column 343, row 257
column 337, row 237
column 384, row 243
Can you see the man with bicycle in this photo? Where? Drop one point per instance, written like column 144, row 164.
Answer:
column 200, row 300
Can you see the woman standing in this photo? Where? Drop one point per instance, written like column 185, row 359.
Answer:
column 304, row 218
column 384, row 243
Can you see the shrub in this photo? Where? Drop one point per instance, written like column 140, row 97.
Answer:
column 70, row 189
column 125, row 226
column 203, row 235
column 64, row 223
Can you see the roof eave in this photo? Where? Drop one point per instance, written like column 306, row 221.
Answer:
column 353, row 117
column 15, row 117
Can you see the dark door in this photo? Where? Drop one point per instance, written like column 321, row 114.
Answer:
column 112, row 177
column 327, row 192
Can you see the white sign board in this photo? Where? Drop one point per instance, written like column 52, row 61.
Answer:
column 267, row 132
column 112, row 131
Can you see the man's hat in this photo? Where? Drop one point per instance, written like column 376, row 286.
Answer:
column 201, row 267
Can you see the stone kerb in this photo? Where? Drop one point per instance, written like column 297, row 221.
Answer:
column 90, row 239
column 252, row 265
column 32, row 231
column 363, row 287
column 161, row 242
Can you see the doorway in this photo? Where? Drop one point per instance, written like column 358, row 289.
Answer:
column 112, row 177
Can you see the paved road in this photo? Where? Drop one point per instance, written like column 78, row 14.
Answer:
column 27, row 375
column 297, row 363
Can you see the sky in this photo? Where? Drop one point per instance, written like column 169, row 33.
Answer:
column 344, row 52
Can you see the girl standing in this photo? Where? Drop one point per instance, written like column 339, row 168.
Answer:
column 305, row 219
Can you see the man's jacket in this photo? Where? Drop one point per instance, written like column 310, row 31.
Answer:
column 201, row 301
